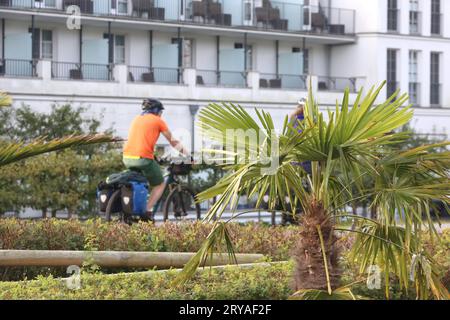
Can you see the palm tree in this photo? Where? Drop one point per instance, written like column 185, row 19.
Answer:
column 353, row 143
column 15, row 151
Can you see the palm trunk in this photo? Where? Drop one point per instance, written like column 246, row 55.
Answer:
column 310, row 270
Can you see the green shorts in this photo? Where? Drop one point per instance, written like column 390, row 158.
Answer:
column 149, row 168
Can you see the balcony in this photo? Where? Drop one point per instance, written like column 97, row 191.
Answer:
column 337, row 84
column 282, row 81
column 271, row 15
column 221, row 78
column 141, row 74
column 57, row 79
column 17, row 68
column 83, row 71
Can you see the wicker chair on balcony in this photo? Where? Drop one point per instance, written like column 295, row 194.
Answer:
column 199, row 9
column 263, row 83
column 275, row 83
column 142, row 6
column 156, row 13
column 148, row 77
column 318, row 22
column 270, row 15
column 199, row 81
column 75, row 74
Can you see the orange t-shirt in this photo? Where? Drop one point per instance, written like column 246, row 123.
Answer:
column 143, row 134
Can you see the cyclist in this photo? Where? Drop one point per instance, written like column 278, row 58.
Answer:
column 138, row 152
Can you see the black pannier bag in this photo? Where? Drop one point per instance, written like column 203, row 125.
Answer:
column 134, row 198
column 104, row 193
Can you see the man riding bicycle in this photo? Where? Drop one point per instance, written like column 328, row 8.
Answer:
column 138, row 152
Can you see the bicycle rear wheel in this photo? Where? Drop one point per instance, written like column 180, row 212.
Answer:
column 110, row 208
column 181, row 203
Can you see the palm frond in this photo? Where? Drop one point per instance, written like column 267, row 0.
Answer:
column 211, row 245
column 12, row 152
column 343, row 293
column 5, row 100
column 395, row 249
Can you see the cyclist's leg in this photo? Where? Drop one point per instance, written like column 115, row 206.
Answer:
column 156, row 180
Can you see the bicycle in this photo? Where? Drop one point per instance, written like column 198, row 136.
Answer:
column 180, row 201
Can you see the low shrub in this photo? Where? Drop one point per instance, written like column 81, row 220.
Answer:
column 231, row 283
column 53, row 234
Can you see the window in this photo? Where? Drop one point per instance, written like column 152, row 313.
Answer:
column 240, row 45
column 188, row 53
column 305, row 59
column 435, row 17
column 391, row 71
column 414, row 17
column 119, row 49
column 414, row 86
column 392, row 15
column 47, row 44
column 435, row 86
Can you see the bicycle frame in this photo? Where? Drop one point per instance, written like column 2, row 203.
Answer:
column 169, row 180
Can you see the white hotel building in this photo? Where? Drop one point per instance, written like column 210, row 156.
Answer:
column 258, row 53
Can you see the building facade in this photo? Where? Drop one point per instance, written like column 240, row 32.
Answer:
column 109, row 54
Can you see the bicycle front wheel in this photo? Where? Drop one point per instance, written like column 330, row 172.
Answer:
column 180, row 203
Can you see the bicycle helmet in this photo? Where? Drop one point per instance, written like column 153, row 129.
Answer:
column 152, row 106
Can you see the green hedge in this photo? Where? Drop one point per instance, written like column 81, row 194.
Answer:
column 53, row 234
column 260, row 282
column 230, row 283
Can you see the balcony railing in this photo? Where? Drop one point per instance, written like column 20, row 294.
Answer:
column 436, row 94
column 270, row 15
column 17, row 68
column 282, row 81
column 336, row 84
column 84, row 71
column 156, row 75
column 221, row 78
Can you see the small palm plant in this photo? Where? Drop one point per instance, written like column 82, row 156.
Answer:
column 344, row 149
column 15, row 151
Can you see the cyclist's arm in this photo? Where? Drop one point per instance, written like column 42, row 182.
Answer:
column 175, row 143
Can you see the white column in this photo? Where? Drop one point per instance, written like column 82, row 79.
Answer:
column 404, row 16
column 403, row 70
column 190, row 77
column 44, row 69
column 425, row 8
column 424, row 78
column 120, row 73
column 253, row 80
